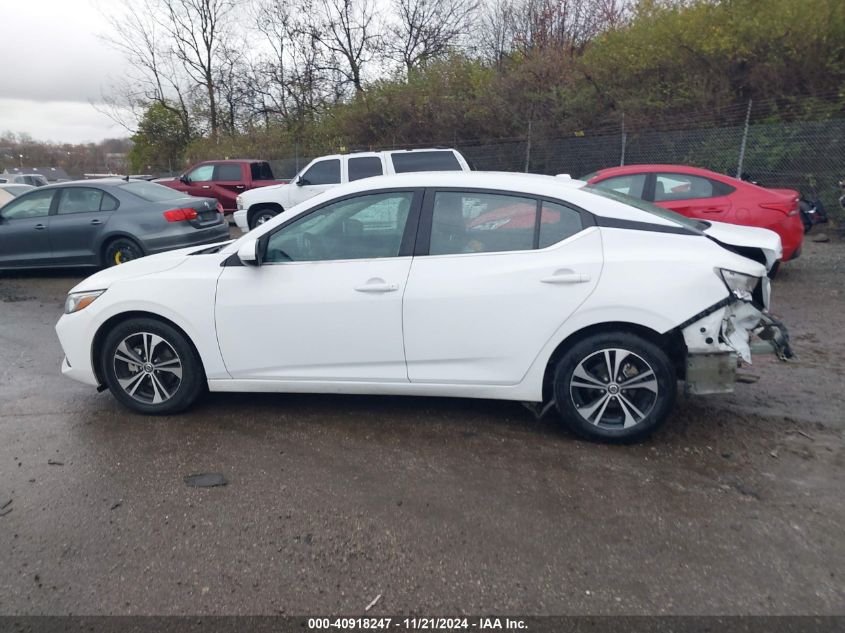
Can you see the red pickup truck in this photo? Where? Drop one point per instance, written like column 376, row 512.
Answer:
column 223, row 179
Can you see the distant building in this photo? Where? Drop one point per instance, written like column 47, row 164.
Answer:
column 52, row 174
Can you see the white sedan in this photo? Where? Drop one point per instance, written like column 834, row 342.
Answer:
column 481, row 285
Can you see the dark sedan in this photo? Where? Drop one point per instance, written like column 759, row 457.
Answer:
column 103, row 223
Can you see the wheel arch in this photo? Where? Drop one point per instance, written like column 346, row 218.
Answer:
column 259, row 206
column 672, row 342
column 113, row 321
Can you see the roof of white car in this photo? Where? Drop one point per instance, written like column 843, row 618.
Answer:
column 561, row 188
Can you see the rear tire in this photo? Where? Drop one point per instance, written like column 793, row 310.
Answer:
column 151, row 367
column 120, row 251
column 614, row 387
column 261, row 216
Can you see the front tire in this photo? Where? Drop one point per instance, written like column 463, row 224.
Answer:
column 614, row 387
column 151, row 367
column 261, row 216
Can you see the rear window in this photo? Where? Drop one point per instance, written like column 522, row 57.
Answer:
column 642, row 205
column 261, row 171
column 404, row 162
column 150, row 191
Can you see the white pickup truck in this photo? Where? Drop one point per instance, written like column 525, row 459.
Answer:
column 257, row 206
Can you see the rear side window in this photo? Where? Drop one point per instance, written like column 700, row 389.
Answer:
column 557, row 223
column 261, row 171
column 324, row 172
column 364, row 167
column 79, row 200
column 150, row 191
column 629, row 185
column 687, row 187
column 228, row 171
column 464, row 222
column 404, row 162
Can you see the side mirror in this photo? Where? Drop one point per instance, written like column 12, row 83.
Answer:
column 184, row 179
column 301, row 181
column 248, row 253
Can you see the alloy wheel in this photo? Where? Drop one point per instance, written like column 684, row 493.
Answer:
column 613, row 388
column 147, row 368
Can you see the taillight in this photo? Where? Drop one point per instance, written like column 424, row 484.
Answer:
column 180, row 215
column 219, row 207
column 789, row 207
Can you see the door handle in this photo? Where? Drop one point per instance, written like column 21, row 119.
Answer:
column 377, row 285
column 239, row 186
column 206, row 186
column 712, row 210
column 566, row 277
column 40, row 227
column 96, row 222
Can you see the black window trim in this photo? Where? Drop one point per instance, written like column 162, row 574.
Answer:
column 409, row 235
column 423, row 241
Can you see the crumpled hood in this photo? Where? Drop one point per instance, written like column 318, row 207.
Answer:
column 136, row 268
column 743, row 237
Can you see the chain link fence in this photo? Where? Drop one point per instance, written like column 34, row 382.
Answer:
column 808, row 156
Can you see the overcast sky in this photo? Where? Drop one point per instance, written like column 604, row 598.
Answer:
column 53, row 66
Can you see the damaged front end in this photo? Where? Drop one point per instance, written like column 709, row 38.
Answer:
column 724, row 334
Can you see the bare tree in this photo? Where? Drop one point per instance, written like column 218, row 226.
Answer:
column 154, row 74
column 197, row 30
column 291, row 81
column 349, row 31
column 496, row 30
column 426, row 29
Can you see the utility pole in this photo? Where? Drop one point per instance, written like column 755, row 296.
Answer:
column 744, row 141
column 528, row 148
column 624, row 141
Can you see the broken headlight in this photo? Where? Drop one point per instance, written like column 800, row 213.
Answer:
column 740, row 284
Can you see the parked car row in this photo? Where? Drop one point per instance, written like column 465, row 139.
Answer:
column 33, row 180
column 248, row 189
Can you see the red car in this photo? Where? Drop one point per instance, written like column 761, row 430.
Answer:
column 706, row 195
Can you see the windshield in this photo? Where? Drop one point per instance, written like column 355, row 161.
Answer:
column 151, row 192
column 648, row 207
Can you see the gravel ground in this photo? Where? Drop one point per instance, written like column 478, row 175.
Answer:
column 441, row 506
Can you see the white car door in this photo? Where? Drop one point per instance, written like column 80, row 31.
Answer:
column 319, row 176
column 495, row 284
column 326, row 302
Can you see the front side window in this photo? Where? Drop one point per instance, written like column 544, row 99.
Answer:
column 682, row 187
column 203, row 173
column 465, row 222
column 324, row 172
column 630, row 185
column 364, row 227
column 79, row 200
column 31, row 205
column 364, row 167
column 228, row 172
column 443, row 160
